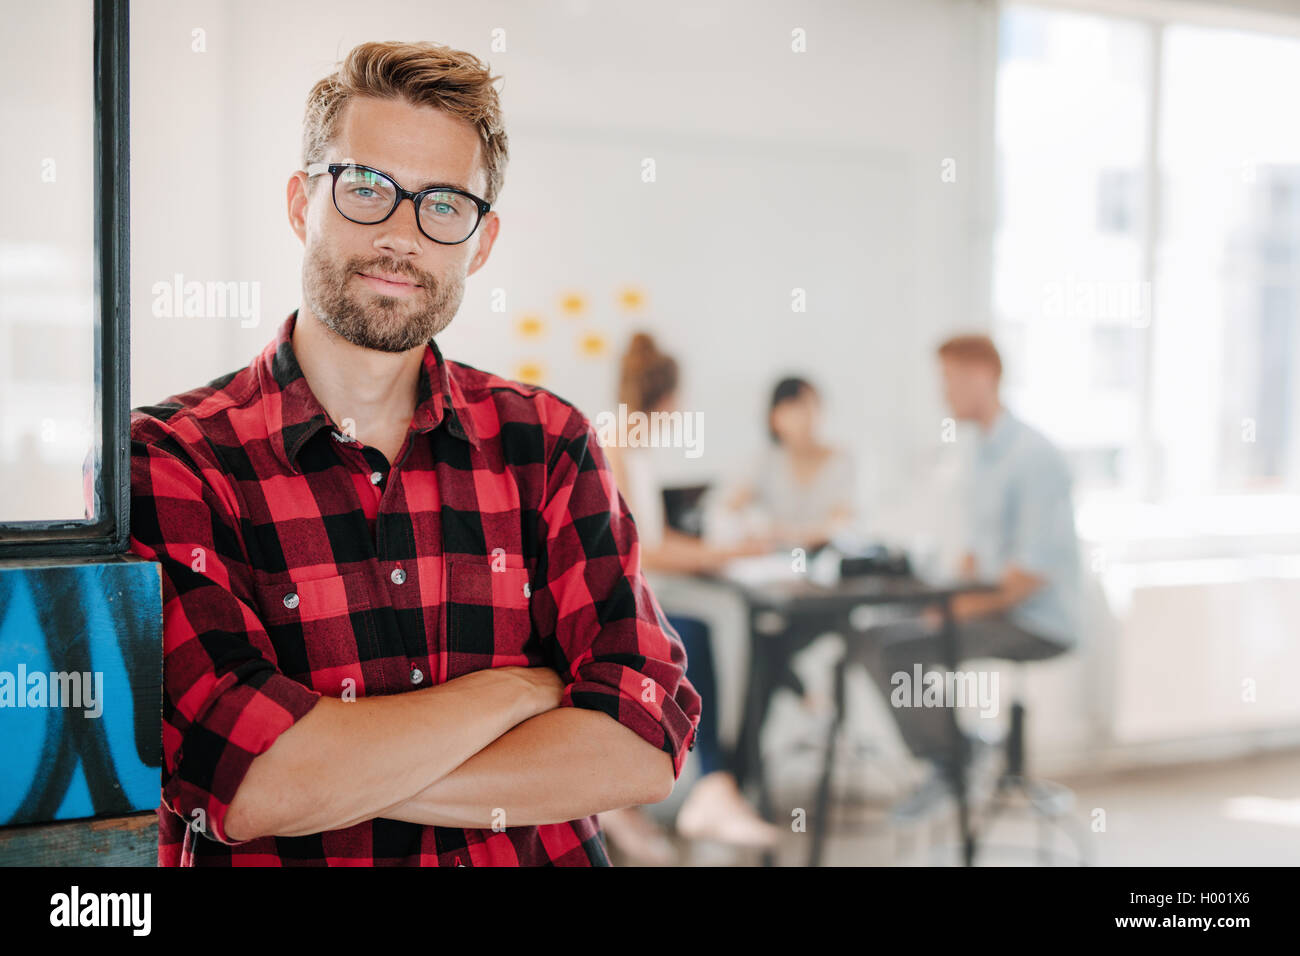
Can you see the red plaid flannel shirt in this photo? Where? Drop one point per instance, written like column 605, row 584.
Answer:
column 298, row 563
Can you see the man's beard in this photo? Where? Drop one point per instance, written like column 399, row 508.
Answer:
column 384, row 323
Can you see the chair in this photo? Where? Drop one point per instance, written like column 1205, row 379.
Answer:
column 1049, row 802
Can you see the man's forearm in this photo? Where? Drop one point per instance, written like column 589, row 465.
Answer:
column 978, row 605
column 345, row 762
column 1015, row 586
column 561, row 765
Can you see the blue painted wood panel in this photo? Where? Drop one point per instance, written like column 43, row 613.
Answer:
column 80, row 689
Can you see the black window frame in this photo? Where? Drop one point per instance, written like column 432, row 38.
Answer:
column 109, row 532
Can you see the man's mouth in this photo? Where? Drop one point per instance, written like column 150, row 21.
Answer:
column 389, row 284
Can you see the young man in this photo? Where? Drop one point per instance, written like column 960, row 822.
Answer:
column 405, row 619
column 1018, row 531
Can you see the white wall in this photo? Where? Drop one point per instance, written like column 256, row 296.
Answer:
column 859, row 125
column 891, row 256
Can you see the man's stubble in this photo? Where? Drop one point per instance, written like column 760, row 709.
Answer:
column 379, row 322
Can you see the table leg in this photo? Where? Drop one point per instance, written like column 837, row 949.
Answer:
column 766, row 673
column 749, row 756
column 959, row 767
column 822, row 807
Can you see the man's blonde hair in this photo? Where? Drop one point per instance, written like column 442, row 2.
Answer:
column 426, row 74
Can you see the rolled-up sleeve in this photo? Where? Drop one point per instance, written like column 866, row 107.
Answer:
column 224, row 699
column 621, row 655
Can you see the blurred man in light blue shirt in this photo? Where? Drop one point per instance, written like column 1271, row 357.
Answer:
column 1018, row 530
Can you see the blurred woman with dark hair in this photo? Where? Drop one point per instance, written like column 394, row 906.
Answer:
column 714, row 808
column 803, row 488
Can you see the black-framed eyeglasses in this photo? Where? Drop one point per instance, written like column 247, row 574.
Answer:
column 363, row 195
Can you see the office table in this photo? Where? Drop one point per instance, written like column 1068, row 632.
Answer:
column 785, row 615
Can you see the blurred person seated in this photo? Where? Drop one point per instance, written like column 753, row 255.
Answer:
column 799, row 494
column 714, row 808
column 802, row 489
column 1018, row 533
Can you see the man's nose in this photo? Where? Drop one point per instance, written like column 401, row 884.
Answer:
column 400, row 232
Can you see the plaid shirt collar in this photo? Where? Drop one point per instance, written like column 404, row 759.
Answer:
column 298, row 415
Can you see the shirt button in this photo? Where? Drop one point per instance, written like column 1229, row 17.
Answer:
column 291, row 600
column 417, row 675
column 398, row 576
column 376, row 477
column 528, row 590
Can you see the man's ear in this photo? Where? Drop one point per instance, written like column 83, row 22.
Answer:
column 296, row 192
column 487, row 233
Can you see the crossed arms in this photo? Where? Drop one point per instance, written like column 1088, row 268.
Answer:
column 455, row 755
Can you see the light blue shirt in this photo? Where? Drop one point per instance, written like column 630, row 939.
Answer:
column 1019, row 512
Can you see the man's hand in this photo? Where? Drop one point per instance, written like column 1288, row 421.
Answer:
column 1015, row 586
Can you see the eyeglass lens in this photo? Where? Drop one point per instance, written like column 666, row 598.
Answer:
column 365, row 196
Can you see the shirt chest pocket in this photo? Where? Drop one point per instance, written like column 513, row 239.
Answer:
column 489, row 623
column 320, row 627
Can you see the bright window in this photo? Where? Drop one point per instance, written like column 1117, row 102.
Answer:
column 1147, row 250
